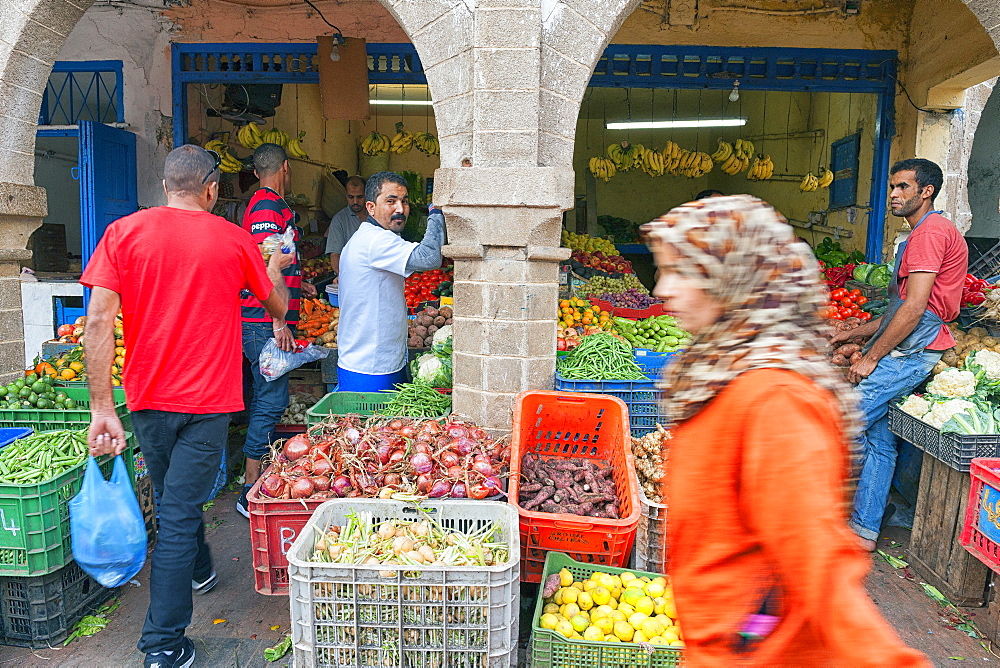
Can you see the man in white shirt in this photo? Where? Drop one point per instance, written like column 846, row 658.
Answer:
column 374, row 264
column 347, row 221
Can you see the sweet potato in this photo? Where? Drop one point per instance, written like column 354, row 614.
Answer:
column 856, row 357
column 578, row 486
column 848, row 349
column 551, row 586
column 840, row 360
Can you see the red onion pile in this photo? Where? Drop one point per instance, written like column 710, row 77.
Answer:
column 395, row 458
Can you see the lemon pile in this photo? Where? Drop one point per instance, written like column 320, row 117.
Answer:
column 613, row 608
column 587, row 243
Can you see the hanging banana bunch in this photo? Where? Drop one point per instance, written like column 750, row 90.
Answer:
column 653, row 163
column 375, row 144
column 809, row 183
column 275, row 136
column 249, row 136
column 761, row 169
column 426, row 143
column 229, row 164
column 825, row 177
column 294, row 147
column 402, row 141
column 671, row 158
column 695, row 164
column 602, row 168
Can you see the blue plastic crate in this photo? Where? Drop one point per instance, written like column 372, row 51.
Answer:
column 640, row 396
column 10, row 434
column 651, row 362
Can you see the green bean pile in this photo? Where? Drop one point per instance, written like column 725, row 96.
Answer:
column 600, row 357
column 416, row 400
column 42, row 456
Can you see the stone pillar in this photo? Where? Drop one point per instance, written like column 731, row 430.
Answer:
column 22, row 209
column 506, row 281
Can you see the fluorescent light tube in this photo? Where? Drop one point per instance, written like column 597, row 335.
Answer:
column 699, row 123
column 406, row 103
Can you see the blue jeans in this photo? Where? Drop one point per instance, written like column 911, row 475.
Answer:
column 268, row 400
column 183, row 452
column 893, row 378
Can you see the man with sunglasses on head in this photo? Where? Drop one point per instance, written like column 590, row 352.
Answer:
column 183, row 373
column 268, row 213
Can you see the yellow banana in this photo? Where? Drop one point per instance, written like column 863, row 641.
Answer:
column 375, row 144
column 294, row 147
column 723, row 152
column 825, row 178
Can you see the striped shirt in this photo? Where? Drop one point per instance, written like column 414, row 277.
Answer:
column 267, row 214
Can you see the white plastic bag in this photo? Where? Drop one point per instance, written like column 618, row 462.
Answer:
column 275, row 362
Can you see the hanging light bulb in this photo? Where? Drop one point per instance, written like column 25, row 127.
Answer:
column 338, row 39
column 735, row 95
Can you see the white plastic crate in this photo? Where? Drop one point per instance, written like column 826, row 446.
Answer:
column 437, row 617
column 648, row 554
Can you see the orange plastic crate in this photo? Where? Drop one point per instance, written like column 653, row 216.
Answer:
column 570, row 424
column 980, row 534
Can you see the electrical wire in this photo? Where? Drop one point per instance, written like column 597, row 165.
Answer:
column 308, row 2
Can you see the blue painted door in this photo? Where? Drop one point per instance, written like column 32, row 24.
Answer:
column 107, row 180
column 107, row 183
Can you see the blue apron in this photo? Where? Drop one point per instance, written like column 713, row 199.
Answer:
column 926, row 329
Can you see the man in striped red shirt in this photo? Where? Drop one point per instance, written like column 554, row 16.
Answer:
column 267, row 214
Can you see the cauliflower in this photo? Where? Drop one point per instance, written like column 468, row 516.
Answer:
column 953, row 383
column 990, row 363
column 943, row 411
column 915, row 406
column 442, row 334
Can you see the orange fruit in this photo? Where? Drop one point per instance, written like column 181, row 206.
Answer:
column 67, row 374
column 76, row 366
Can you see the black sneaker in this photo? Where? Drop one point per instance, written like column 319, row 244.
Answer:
column 241, row 503
column 182, row 657
column 206, row 585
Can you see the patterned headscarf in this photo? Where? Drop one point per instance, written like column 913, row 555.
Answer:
column 745, row 256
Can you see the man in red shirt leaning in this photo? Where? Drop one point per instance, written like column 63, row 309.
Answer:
column 909, row 339
column 183, row 373
column 268, row 213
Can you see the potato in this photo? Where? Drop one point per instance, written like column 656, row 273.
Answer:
column 978, row 332
column 431, row 312
column 428, row 342
column 853, row 321
column 447, row 321
column 445, row 311
column 950, row 357
column 431, row 329
column 415, row 342
column 989, row 341
column 420, row 331
column 840, row 360
column 856, row 357
column 440, row 321
column 425, row 320
column 939, row 367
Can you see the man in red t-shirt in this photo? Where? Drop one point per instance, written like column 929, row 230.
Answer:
column 176, row 272
column 268, row 214
column 925, row 294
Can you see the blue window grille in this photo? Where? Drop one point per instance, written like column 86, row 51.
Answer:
column 89, row 90
column 844, row 154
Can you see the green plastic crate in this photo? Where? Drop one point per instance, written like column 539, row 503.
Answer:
column 549, row 649
column 34, row 519
column 50, row 418
column 345, row 403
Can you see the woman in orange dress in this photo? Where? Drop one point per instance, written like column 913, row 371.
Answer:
column 764, row 568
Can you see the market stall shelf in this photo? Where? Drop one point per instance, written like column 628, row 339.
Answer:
column 420, row 616
column 549, row 649
column 584, row 426
column 936, row 552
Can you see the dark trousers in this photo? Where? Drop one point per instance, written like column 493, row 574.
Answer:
column 183, row 453
column 269, row 399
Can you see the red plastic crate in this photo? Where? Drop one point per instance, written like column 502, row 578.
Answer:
column 274, row 525
column 983, row 540
column 570, row 424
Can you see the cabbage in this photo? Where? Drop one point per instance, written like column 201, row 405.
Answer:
column 880, row 276
column 432, row 370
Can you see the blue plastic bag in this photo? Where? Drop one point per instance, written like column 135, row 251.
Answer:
column 109, row 535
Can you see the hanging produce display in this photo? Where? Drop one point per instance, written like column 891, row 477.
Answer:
column 810, row 182
column 375, row 144
column 402, row 141
column 734, row 158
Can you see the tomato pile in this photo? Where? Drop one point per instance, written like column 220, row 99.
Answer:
column 846, row 304
column 421, row 286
